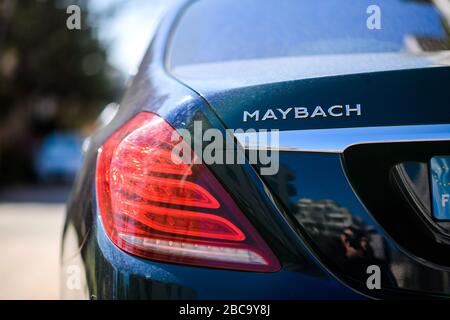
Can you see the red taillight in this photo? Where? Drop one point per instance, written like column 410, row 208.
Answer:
column 166, row 210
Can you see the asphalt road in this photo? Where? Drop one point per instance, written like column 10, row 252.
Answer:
column 31, row 222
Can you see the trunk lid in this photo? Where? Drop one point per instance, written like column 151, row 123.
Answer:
column 392, row 89
column 361, row 203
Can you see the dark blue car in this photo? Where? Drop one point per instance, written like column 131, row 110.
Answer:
column 59, row 157
column 273, row 150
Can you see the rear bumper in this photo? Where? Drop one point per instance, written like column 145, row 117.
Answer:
column 115, row 274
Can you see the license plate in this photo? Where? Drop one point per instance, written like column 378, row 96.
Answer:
column 440, row 187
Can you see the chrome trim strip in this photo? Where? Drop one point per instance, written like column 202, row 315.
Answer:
column 337, row 140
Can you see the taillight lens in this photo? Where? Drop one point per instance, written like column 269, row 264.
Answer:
column 166, row 210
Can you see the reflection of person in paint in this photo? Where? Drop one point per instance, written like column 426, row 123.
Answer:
column 355, row 245
column 359, row 255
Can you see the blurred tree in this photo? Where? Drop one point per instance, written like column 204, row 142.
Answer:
column 51, row 78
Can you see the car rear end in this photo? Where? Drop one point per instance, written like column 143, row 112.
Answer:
column 337, row 182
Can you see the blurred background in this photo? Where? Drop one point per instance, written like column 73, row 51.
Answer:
column 57, row 86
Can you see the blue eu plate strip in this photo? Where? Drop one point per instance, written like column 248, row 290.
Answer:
column 440, row 184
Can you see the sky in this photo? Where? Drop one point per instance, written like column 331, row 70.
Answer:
column 129, row 30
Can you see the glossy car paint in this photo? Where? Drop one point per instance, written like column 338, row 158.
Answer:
column 270, row 203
